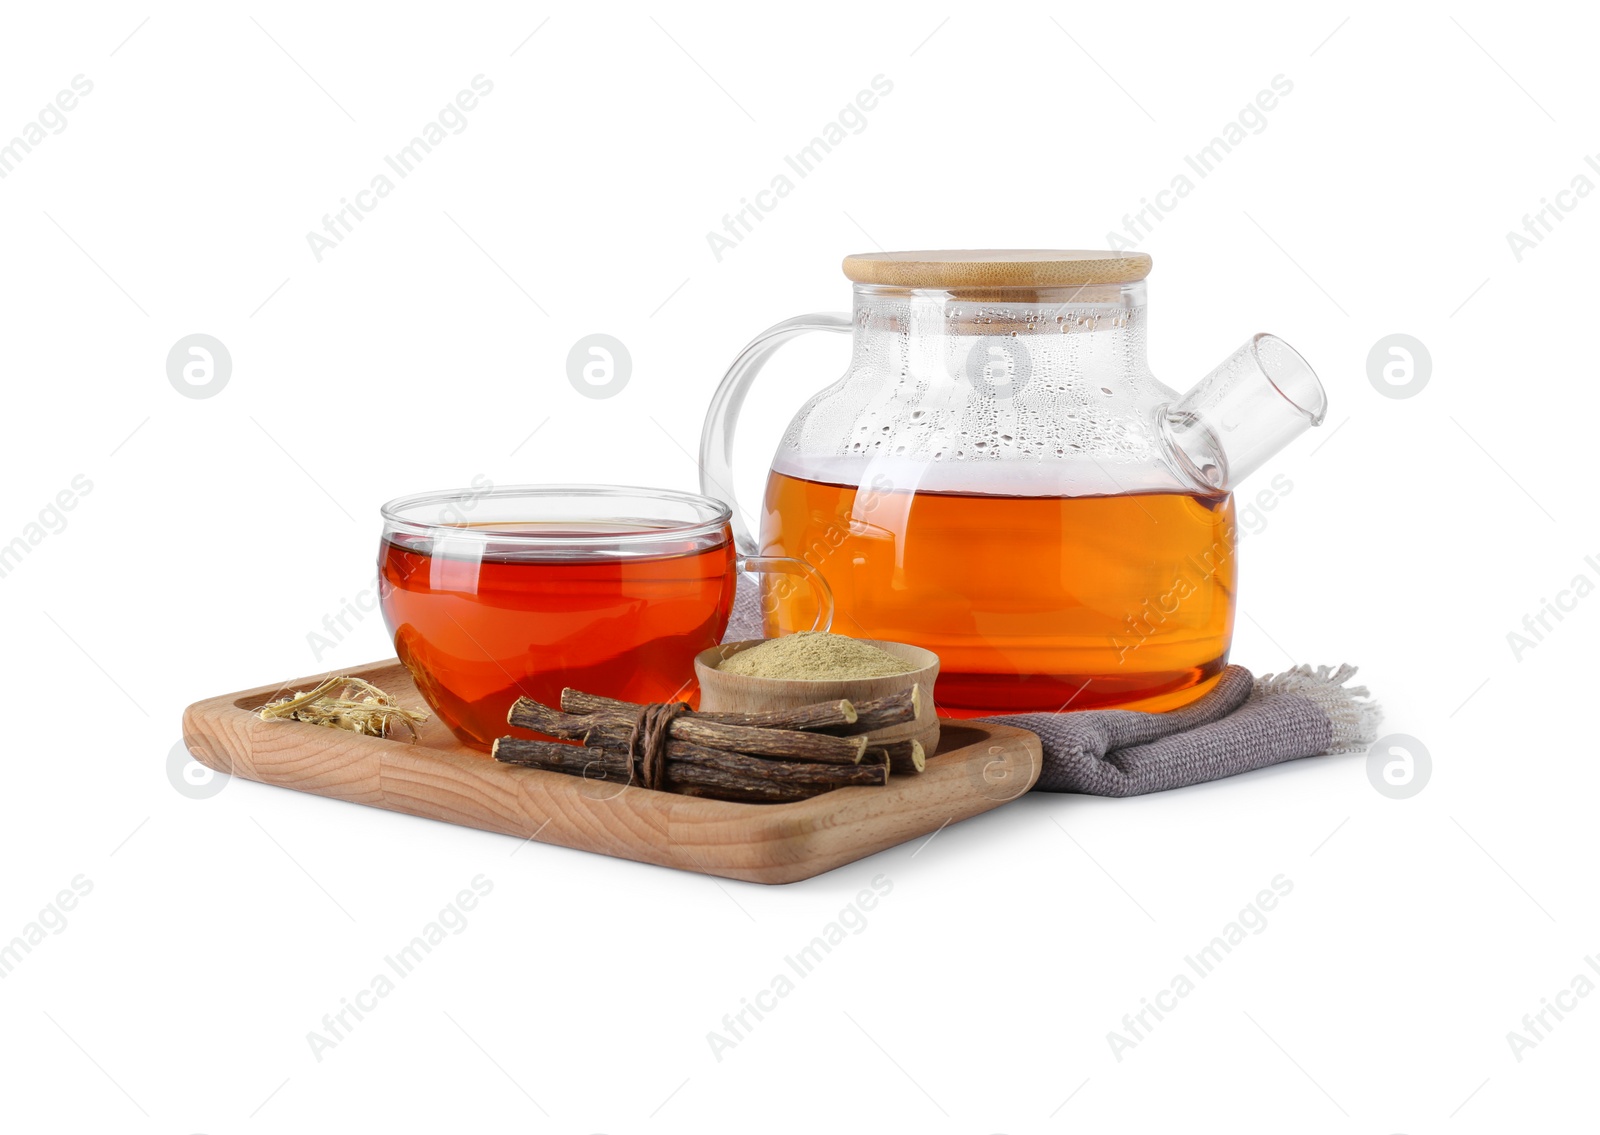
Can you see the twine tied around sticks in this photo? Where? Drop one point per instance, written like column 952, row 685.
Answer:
column 647, row 741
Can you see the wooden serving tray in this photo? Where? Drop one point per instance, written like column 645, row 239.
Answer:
column 977, row 767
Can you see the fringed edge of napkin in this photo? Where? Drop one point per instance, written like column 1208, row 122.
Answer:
column 1355, row 717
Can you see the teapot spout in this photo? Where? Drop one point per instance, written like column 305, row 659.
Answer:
column 1254, row 403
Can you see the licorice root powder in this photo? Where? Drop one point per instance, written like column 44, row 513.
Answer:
column 815, row 656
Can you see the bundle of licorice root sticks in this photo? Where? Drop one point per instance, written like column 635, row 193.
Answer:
column 770, row 757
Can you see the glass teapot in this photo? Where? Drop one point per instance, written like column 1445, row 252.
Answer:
column 999, row 478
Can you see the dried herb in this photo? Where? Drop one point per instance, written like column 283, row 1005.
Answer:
column 349, row 703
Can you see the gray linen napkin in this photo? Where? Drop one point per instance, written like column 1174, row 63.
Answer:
column 744, row 621
column 1243, row 723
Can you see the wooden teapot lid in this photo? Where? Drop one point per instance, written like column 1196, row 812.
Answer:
column 997, row 268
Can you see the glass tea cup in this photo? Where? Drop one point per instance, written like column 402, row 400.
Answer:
column 497, row 592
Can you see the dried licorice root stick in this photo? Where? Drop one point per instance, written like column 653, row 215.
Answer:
column 784, row 744
column 823, row 715
column 873, row 774
column 553, row 756
column 903, row 757
column 616, row 768
column 721, row 776
column 594, row 761
column 880, row 713
column 842, row 718
column 613, row 730
column 529, row 714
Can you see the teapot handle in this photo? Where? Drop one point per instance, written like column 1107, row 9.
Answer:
column 716, row 437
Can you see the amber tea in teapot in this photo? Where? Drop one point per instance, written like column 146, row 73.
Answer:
column 999, row 478
column 1013, row 638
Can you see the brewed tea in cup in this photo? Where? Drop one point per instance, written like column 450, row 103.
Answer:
column 494, row 594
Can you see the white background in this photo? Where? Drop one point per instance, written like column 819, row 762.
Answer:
column 429, row 345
